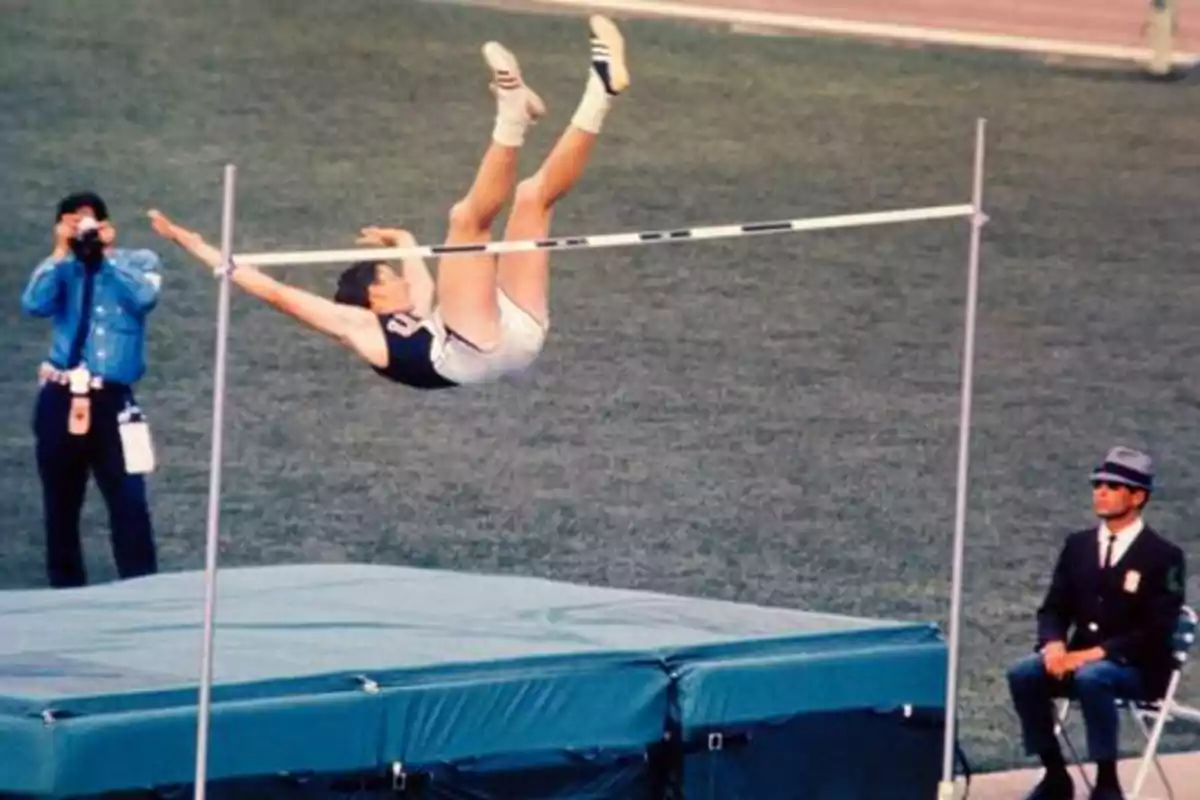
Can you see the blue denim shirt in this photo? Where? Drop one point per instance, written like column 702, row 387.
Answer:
column 124, row 292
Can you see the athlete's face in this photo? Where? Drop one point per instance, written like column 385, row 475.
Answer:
column 389, row 293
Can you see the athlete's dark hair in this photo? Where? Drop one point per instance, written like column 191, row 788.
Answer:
column 354, row 283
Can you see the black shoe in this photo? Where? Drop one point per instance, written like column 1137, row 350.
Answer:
column 1055, row 786
column 1107, row 793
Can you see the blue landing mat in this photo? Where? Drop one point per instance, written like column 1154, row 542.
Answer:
column 341, row 668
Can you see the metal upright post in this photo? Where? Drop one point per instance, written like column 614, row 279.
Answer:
column 214, row 486
column 978, row 219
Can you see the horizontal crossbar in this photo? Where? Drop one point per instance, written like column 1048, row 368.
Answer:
column 298, row 257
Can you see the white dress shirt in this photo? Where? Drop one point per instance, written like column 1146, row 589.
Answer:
column 1121, row 545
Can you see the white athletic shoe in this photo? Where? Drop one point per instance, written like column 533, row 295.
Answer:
column 507, row 82
column 608, row 55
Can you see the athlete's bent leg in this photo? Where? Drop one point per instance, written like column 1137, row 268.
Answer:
column 525, row 277
column 466, row 285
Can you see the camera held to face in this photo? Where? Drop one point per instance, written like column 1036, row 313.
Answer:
column 86, row 244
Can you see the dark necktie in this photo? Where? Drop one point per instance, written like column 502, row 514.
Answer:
column 85, row 320
column 1108, row 554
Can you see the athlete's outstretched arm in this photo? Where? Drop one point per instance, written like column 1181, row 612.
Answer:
column 336, row 320
column 420, row 282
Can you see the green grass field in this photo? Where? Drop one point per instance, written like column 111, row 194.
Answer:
column 771, row 420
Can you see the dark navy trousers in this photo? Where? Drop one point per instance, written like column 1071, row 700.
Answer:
column 1096, row 686
column 65, row 462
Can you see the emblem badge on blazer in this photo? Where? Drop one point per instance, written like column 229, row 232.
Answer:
column 1133, row 579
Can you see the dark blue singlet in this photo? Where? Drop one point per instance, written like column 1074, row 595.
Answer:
column 410, row 354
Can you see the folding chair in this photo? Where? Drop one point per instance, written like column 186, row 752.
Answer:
column 1151, row 717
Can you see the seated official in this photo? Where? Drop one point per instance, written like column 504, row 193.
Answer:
column 1104, row 629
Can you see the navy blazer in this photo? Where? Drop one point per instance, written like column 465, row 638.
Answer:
column 1130, row 610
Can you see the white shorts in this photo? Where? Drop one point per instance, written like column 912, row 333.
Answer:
column 521, row 341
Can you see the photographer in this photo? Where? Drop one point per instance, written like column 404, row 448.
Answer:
column 97, row 297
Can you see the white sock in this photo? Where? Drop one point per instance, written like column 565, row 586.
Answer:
column 512, row 118
column 509, row 132
column 594, row 105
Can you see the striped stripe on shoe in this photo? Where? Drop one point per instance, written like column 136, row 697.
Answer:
column 506, row 77
column 608, row 55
